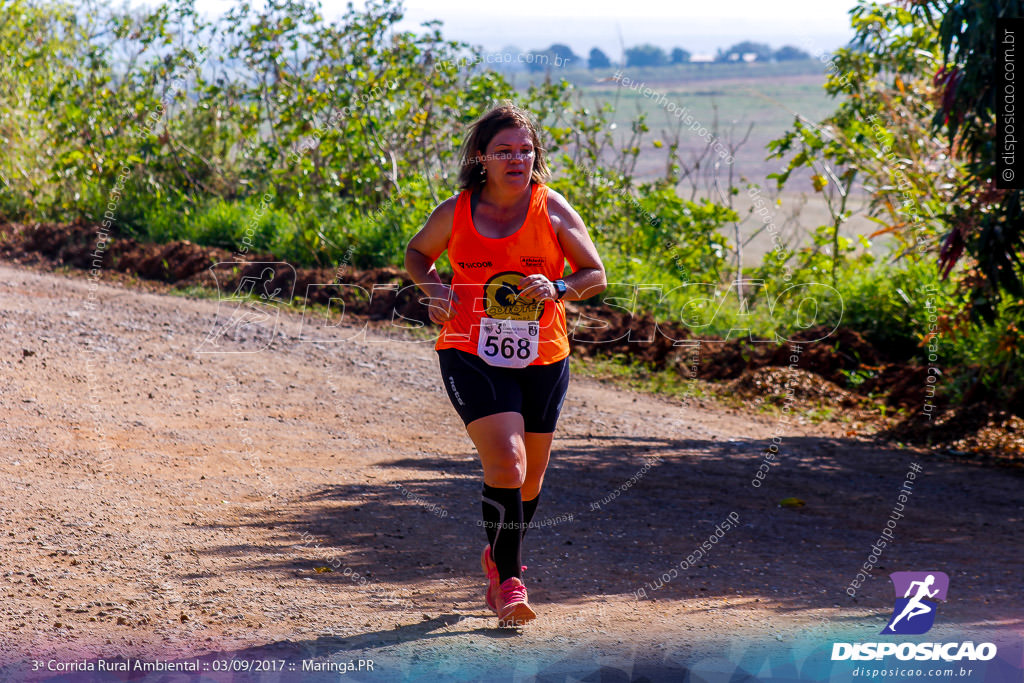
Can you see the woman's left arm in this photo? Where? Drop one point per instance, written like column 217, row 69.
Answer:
column 588, row 277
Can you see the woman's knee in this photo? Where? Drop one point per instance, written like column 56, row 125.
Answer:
column 531, row 486
column 538, row 454
column 505, row 470
column 499, row 441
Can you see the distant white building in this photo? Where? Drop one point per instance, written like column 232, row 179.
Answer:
column 737, row 57
column 703, row 59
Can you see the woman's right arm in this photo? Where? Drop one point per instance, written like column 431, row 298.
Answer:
column 425, row 247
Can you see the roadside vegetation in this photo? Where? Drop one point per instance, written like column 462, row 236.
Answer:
column 273, row 131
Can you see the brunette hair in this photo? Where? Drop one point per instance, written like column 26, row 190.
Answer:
column 483, row 130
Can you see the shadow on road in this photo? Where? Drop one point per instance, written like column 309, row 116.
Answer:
column 641, row 506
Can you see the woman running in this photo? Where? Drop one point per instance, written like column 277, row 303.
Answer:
column 503, row 349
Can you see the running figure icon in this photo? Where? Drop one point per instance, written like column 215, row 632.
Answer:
column 916, row 606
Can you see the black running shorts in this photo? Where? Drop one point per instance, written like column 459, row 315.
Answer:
column 477, row 389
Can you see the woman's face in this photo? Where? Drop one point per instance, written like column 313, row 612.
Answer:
column 509, row 159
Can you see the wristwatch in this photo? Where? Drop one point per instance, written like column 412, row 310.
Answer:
column 560, row 288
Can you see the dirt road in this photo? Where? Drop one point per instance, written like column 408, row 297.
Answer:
column 164, row 503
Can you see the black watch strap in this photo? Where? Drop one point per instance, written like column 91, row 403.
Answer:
column 560, row 288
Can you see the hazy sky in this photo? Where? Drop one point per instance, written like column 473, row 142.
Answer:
column 699, row 26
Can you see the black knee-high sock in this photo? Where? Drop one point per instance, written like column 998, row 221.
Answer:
column 503, row 514
column 529, row 508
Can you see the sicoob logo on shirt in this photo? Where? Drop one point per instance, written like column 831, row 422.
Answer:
column 500, row 300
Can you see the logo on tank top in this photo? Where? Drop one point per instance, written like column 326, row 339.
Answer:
column 475, row 264
column 500, row 299
column 532, row 261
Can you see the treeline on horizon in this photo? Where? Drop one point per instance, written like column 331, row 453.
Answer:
column 650, row 55
column 272, row 131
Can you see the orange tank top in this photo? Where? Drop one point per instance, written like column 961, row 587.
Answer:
column 486, row 272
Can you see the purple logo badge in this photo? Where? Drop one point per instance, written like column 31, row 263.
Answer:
column 917, row 596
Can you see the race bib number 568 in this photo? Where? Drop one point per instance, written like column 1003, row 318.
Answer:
column 508, row 343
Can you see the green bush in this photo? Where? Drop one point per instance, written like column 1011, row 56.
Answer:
column 890, row 305
column 989, row 357
column 352, row 131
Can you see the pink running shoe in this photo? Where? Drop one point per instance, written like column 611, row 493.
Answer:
column 513, row 609
column 491, row 569
column 493, row 579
